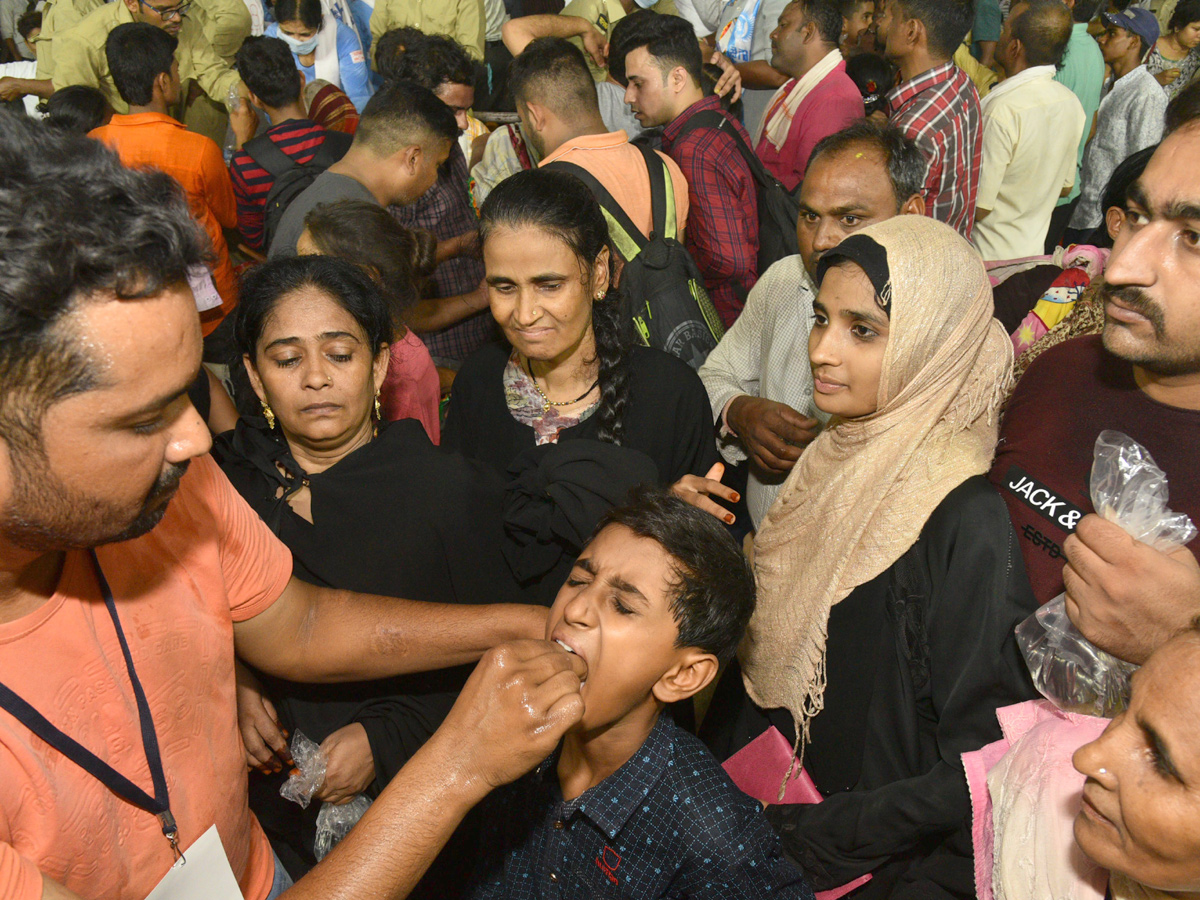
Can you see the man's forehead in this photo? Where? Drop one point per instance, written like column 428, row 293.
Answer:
column 853, row 176
column 1170, row 177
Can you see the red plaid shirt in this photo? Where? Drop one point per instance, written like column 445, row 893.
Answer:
column 722, row 223
column 939, row 109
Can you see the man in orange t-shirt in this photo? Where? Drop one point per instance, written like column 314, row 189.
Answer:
column 142, row 61
column 128, row 581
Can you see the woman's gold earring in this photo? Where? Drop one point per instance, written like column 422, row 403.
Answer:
column 268, row 414
column 378, row 408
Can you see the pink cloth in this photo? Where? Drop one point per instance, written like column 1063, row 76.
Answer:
column 758, row 769
column 1023, row 817
column 411, row 389
column 829, row 107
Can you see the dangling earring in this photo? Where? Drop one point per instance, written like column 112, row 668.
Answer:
column 378, row 408
column 268, row 414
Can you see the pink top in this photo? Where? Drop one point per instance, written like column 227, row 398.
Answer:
column 411, row 389
column 829, row 107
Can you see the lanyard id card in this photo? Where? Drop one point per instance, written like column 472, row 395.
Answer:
column 202, row 873
column 737, row 37
column 160, row 803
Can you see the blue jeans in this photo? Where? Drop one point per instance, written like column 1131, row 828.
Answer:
column 282, row 881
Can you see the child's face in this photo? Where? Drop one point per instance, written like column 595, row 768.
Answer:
column 614, row 611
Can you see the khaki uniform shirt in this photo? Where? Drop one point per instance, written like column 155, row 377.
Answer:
column 58, row 16
column 463, row 20
column 79, row 56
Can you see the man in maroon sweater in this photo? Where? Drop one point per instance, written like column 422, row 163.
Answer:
column 1142, row 378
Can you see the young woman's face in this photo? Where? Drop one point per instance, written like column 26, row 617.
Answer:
column 1141, row 800
column 315, row 369
column 540, row 292
column 847, row 342
column 1189, row 35
column 298, row 30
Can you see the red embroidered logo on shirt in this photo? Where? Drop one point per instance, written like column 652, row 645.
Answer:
column 609, row 861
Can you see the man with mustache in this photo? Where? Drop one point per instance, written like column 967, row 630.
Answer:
column 1140, row 377
column 131, row 572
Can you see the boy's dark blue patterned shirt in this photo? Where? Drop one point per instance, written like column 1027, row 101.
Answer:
column 667, row 824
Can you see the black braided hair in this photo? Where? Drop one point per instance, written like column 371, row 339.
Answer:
column 563, row 206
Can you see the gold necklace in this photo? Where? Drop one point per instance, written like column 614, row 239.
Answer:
column 546, row 401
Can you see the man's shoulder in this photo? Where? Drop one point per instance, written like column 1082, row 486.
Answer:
column 1072, row 362
column 99, row 21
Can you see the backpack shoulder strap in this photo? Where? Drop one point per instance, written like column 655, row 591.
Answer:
column 710, row 118
column 627, row 236
column 264, row 152
column 662, row 195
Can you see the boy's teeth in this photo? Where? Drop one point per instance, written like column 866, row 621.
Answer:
column 564, row 646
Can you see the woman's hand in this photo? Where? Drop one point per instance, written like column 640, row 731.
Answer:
column 696, row 491
column 1167, row 77
column 264, row 738
column 350, row 767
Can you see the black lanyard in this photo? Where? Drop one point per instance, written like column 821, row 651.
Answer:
column 160, row 803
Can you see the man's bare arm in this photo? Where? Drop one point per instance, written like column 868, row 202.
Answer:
column 314, row 634
column 517, row 33
column 759, row 75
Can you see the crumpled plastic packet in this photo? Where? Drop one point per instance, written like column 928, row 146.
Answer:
column 334, row 822
column 308, row 776
column 1130, row 490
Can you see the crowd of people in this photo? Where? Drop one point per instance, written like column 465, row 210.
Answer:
column 498, row 449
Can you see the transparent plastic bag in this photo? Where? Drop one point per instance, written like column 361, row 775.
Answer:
column 334, row 822
column 309, row 773
column 1130, row 490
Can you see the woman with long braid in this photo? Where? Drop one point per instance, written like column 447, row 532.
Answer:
column 571, row 371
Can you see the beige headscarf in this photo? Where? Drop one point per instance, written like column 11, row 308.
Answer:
column 861, row 493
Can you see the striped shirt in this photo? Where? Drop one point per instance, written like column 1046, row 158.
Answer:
column 298, row 138
column 939, row 110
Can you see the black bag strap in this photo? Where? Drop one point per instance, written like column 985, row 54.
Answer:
column 264, row 152
column 710, row 118
column 615, row 212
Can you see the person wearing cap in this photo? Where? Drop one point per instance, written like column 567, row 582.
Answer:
column 1130, row 118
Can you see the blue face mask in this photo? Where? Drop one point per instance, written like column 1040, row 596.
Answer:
column 300, row 48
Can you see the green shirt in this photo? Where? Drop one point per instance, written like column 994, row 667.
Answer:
column 1082, row 71
column 79, row 56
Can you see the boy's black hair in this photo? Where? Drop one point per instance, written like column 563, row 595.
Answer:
column 946, row 22
column 669, row 39
column 712, row 76
column 874, row 76
column 429, row 60
column 76, row 108
column 137, row 54
column 714, row 594
column 1084, row 10
column 269, row 70
column 1184, row 109
column 27, row 23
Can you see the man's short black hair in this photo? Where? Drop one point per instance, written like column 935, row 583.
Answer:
column 553, row 73
column 401, row 114
column 77, row 108
column 670, row 40
column 905, row 162
column 28, row 23
column 1043, row 28
column 1184, row 109
column 74, row 223
column 826, row 15
column 267, row 67
column 713, row 595
column 429, row 60
column 137, row 54
column 946, row 22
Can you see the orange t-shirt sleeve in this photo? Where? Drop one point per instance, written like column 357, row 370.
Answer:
column 256, row 564
column 19, row 877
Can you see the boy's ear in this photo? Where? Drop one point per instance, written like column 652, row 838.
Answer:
column 692, row 672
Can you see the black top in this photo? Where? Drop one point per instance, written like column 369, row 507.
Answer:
column 918, row 659
column 668, row 416
column 396, row 517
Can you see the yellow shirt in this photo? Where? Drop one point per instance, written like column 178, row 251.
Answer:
column 57, row 16
column 79, row 56
column 604, row 14
column 983, row 77
column 226, row 23
column 463, row 20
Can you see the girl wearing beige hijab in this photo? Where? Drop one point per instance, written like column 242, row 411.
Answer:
column 888, row 573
